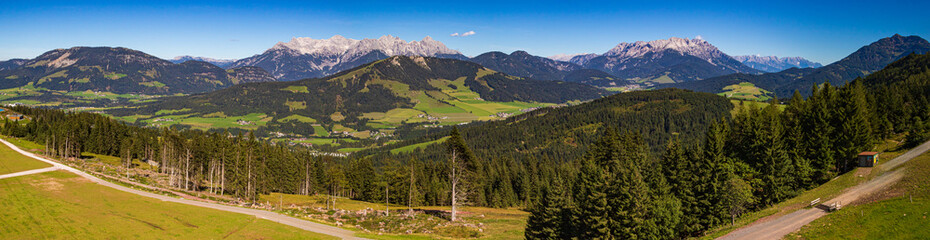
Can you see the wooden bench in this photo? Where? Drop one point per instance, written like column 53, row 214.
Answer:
column 815, row 202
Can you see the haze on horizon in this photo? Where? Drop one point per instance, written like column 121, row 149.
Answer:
column 822, row 31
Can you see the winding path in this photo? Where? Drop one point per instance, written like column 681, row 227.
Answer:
column 779, row 227
column 271, row 216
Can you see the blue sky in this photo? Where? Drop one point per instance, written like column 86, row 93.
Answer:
column 820, row 31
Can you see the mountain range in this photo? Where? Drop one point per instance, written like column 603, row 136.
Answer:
column 664, row 61
column 865, row 60
column 223, row 63
column 123, row 70
column 388, row 92
column 775, row 64
column 659, row 61
column 313, row 58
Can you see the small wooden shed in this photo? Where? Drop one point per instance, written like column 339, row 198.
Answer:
column 868, row 159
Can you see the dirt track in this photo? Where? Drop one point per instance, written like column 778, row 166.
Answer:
column 779, row 227
column 272, row 216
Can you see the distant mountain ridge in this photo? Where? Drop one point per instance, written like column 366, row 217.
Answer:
column 12, row 63
column 223, row 63
column 521, row 63
column 664, row 61
column 774, row 63
column 398, row 84
column 123, row 70
column 865, row 60
column 312, row 58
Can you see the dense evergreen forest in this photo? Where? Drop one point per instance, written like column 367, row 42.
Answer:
column 760, row 157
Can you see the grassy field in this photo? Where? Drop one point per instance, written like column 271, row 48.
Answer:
column 746, row 91
column 828, row 190
column 212, row 121
column 57, row 205
column 448, row 105
column 11, row 161
column 898, row 213
column 413, row 147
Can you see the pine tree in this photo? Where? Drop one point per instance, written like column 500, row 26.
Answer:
column 855, row 130
column 590, row 217
column 548, row 218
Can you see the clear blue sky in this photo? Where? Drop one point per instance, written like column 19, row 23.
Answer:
column 820, row 31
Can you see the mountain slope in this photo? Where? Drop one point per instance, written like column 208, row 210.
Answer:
column 522, row 64
column 223, row 63
column 12, row 63
column 558, row 135
column 595, row 78
column 665, row 61
column 387, row 92
column 775, row 64
column 313, row 58
column 863, row 61
column 121, row 70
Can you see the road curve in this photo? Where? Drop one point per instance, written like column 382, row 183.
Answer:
column 779, row 227
column 271, row 216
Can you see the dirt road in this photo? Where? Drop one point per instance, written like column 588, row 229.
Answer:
column 272, row 216
column 779, row 227
column 24, row 173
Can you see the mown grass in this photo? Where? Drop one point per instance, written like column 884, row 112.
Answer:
column 61, row 205
column 903, row 214
column 746, row 91
column 11, row 161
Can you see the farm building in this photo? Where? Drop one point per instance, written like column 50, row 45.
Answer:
column 868, row 159
column 16, row 117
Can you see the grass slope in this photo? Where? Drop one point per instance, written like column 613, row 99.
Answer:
column 900, row 212
column 11, row 161
column 58, row 204
column 746, row 91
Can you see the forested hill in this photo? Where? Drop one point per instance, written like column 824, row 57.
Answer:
column 421, row 84
column 863, row 61
column 562, row 134
column 123, row 70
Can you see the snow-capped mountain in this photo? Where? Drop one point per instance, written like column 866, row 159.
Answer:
column 308, row 58
column 666, row 60
column 218, row 62
column 566, row 57
column 776, row 64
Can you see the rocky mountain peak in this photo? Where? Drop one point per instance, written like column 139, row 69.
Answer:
column 695, row 47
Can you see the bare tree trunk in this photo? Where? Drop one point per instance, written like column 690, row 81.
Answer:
column 187, row 169
column 455, row 182
column 410, row 191
column 223, row 178
column 387, row 199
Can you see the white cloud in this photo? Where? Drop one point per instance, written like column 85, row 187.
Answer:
column 465, row 34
